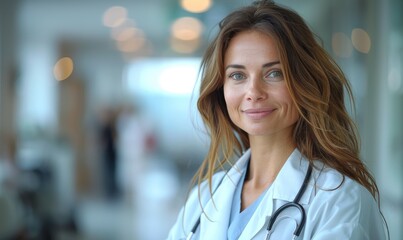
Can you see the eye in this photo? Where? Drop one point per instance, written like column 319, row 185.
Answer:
column 237, row 76
column 274, row 75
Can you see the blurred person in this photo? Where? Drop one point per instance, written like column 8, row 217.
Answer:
column 11, row 207
column 108, row 140
column 270, row 93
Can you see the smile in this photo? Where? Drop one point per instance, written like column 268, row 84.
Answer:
column 258, row 113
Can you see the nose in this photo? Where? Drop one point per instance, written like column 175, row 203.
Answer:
column 256, row 90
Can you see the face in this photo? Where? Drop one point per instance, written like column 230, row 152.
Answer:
column 255, row 91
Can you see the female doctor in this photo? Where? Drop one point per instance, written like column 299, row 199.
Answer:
column 270, row 92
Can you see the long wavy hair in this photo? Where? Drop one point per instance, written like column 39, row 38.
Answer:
column 315, row 82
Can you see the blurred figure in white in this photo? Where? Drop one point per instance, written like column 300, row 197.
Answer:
column 148, row 179
column 135, row 142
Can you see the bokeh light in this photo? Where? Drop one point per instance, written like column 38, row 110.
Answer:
column 196, row 6
column 341, row 45
column 114, row 16
column 361, row 40
column 187, row 28
column 63, row 68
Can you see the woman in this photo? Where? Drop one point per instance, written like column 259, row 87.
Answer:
column 272, row 94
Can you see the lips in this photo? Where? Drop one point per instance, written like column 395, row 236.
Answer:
column 258, row 113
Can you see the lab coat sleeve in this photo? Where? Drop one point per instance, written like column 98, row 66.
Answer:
column 177, row 232
column 343, row 231
column 352, row 232
column 187, row 215
column 349, row 212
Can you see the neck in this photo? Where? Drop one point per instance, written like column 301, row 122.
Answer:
column 267, row 159
column 265, row 163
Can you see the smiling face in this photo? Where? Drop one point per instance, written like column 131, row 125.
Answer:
column 255, row 90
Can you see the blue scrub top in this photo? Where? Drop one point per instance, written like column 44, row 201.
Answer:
column 238, row 219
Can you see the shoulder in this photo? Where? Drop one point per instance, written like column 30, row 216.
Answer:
column 201, row 194
column 193, row 208
column 329, row 183
column 340, row 205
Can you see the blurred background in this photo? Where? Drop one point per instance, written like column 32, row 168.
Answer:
column 99, row 134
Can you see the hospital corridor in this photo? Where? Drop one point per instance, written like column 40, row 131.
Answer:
column 100, row 135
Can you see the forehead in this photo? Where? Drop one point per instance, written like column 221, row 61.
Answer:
column 251, row 43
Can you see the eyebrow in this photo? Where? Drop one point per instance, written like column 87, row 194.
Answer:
column 269, row 64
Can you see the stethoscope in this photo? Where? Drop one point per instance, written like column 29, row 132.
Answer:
column 293, row 204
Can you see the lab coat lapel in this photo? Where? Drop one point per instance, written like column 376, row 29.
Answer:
column 290, row 179
column 285, row 187
column 214, row 223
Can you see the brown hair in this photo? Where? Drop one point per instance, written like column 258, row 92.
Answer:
column 316, row 84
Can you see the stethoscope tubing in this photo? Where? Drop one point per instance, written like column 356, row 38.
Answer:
column 294, row 204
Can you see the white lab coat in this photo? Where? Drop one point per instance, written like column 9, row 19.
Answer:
column 333, row 211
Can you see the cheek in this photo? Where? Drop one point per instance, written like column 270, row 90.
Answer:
column 227, row 95
column 232, row 103
column 292, row 109
column 294, row 113
column 231, row 98
column 287, row 101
